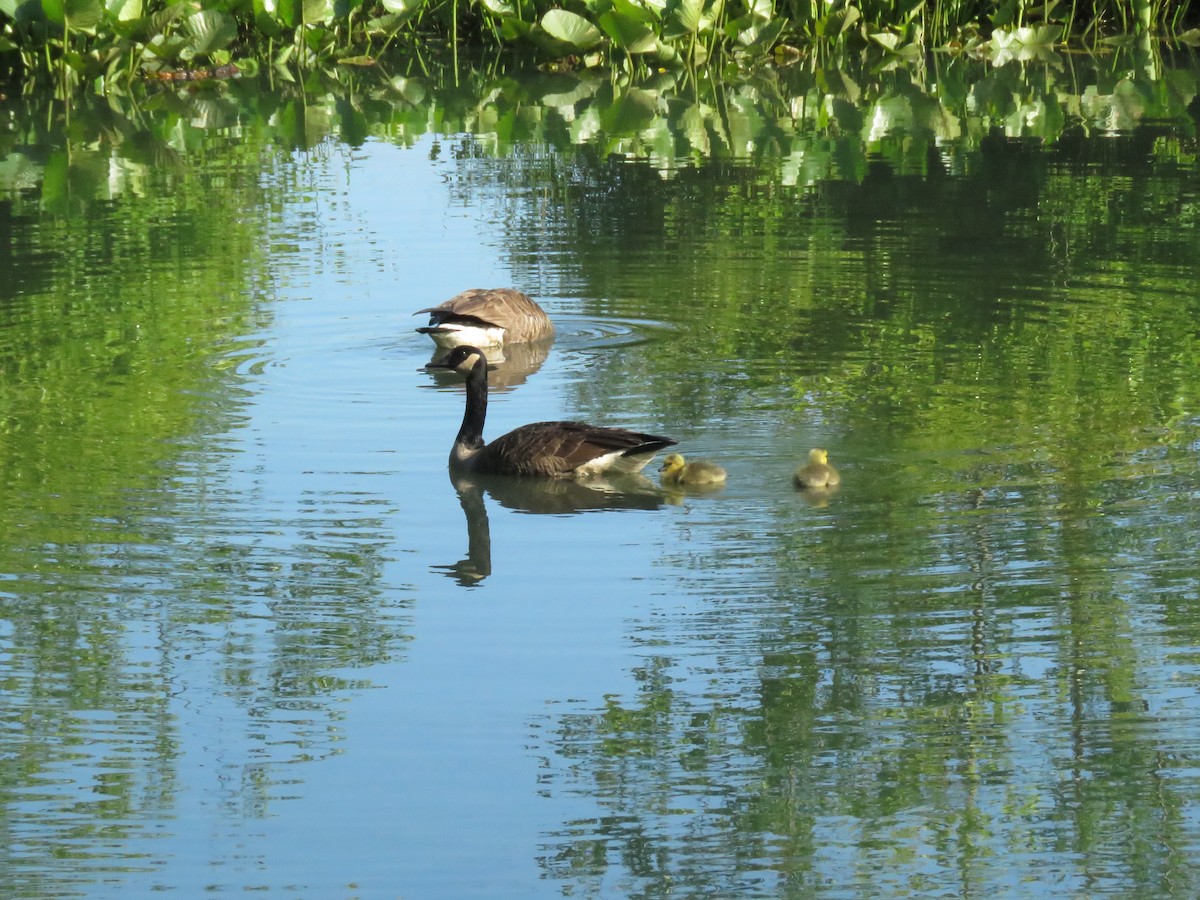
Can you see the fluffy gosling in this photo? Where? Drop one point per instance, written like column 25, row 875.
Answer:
column 817, row 472
column 677, row 472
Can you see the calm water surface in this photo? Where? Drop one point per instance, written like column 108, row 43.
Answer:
column 254, row 638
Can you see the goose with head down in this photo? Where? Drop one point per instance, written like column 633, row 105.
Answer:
column 487, row 317
column 550, row 449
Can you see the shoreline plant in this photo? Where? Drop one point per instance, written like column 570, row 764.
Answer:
column 100, row 44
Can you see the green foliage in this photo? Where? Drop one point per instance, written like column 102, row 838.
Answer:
column 82, row 41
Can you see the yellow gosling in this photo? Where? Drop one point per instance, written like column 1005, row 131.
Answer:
column 817, row 472
column 677, row 472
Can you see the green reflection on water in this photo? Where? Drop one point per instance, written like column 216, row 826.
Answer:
column 135, row 288
column 955, row 665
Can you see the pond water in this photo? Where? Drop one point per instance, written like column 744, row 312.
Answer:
column 254, row 638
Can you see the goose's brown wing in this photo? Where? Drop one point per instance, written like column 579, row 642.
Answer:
column 558, row 449
column 514, row 311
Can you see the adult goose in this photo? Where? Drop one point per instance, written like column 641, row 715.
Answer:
column 817, row 472
column 553, row 449
column 487, row 317
column 678, row 472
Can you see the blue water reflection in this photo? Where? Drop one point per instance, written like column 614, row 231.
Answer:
column 255, row 637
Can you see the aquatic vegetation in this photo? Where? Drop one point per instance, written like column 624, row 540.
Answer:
column 104, row 43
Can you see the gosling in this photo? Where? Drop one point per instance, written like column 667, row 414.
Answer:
column 817, row 472
column 676, row 472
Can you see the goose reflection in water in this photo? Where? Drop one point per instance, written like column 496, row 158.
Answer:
column 541, row 496
column 508, row 367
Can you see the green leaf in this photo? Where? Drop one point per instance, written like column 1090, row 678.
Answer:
column 763, row 10
column 571, row 29
column 83, row 15
column 123, row 10
column 761, row 37
column 637, row 12
column 849, row 17
column 629, row 113
column 282, row 12
column 169, row 47
column 500, row 8
column 512, row 28
column 55, row 192
column 267, row 22
column 76, row 15
column 23, row 11
column 401, row 7
column 318, row 12
column 886, row 39
column 54, row 12
column 387, row 25
column 628, row 34
column 210, row 30
column 685, row 17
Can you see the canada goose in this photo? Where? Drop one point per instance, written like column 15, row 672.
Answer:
column 677, row 472
column 487, row 317
column 817, row 472
column 555, row 449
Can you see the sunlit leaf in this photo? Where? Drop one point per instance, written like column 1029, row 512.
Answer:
column 685, row 16
column 571, row 29
column 837, row 23
column 886, row 39
column 318, row 12
column 285, row 13
column 849, row 17
column 404, row 8
column 763, row 10
column 123, row 10
column 267, row 22
column 498, row 7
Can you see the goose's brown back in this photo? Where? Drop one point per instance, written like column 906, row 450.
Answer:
column 514, row 311
column 567, row 449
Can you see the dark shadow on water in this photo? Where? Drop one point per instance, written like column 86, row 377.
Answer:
column 540, row 496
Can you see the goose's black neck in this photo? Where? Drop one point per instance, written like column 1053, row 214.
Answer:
column 470, row 435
